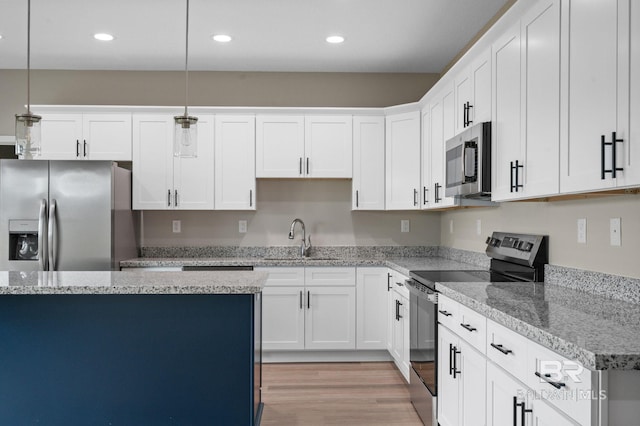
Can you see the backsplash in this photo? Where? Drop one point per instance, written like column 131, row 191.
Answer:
column 598, row 283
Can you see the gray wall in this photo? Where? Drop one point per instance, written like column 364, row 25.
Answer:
column 558, row 220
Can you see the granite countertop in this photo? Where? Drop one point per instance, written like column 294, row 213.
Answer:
column 132, row 282
column 598, row 332
column 400, row 264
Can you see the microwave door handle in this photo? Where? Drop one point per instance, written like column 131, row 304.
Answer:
column 42, row 230
column 465, row 146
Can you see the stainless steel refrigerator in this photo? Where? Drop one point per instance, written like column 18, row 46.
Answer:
column 65, row 215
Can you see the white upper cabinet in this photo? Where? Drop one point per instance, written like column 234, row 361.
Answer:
column 426, row 158
column 506, row 112
column 162, row 181
column 473, row 93
column 328, row 146
column 299, row 146
column 368, row 163
column 630, row 154
column 279, row 146
column 403, row 161
column 235, row 180
column 526, row 137
column 597, row 96
column 86, row 136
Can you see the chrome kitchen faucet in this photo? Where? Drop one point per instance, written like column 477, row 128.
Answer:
column 305, row 247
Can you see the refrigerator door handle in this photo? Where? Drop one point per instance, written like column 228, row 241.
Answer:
column 42, row 243
column 51, row 235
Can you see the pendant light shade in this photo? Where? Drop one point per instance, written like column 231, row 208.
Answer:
column 185, row 142
column 28, row 140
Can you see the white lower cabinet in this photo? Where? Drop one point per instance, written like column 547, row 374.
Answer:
column 461, row 381
column 371, row 308
column 398, row 315
column 309, row 308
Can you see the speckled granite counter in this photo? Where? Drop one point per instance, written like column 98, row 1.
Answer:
column 132, row 282
column 400, row 264
column 600, row 333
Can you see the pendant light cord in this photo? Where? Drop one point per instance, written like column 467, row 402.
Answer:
column 186, row 65
column 29, row 56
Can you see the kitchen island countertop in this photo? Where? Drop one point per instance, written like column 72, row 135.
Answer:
column 132, row 282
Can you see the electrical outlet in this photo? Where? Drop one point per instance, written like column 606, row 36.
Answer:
column 478, row 227
column 582, row 231
column 615, row 231
column 451, row 226
column 242, row 226
column 177, row 225
column 404, row 226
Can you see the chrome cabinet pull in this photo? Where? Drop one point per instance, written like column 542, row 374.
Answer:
column 501, row 349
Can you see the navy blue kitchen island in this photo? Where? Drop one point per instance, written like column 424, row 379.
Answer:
column 130, row 348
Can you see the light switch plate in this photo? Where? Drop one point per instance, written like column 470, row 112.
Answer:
column 404, row 226
column 177, row 226
column 242, row 226
column 582, row 230
column 615, row 231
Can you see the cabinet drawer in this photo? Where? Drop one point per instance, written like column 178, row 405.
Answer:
column 564, row 384
column 283, row 276
column 472, row 327
column 507, row 349
column 330, row 276
column 397, row 284
column 448, row 312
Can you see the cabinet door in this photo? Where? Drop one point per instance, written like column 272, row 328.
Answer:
column 235, row 179
column 403, row 161
column 425, row 201
column 506, row 112
column 152, row 162
column 463, row 93
column 283, row 318
column 472, row 397
column 328, row 146
column 436, row 191
column 480, row 110
column 279, row 146
column 368, row 163
column 371, row 308
column 592, row 72
column 193, row 177
column 501, row 391
column 391, row 311
column 400, row 348
column 61, row 136
column 448, row 413
column 107, row 137
column 541, row 96
column 629, row 156
column 543, row 414
column 448, row 131
column 330, row 320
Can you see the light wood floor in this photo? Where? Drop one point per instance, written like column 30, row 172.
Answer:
column 371, row 393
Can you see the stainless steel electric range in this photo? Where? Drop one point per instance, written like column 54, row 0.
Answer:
column 514, row 258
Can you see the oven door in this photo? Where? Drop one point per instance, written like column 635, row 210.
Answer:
column 423, row 350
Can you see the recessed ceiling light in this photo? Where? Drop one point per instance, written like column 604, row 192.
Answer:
column 103, row 37
column 336, row 39
column 222, row 38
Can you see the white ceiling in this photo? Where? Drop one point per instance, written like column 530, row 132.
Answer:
column 268, row 35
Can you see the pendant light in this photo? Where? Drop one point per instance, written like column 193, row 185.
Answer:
column 28, row 125
column 186, row 130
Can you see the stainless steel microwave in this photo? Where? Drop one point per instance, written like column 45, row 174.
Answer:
column 468, row 163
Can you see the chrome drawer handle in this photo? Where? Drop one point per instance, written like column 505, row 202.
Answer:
column 545, row 377
column 501, row 349
column 445, row 313
column 468, row 327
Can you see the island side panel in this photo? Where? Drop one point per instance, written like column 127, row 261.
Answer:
column 127, row 359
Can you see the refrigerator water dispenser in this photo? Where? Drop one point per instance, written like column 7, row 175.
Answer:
column 23, row 240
